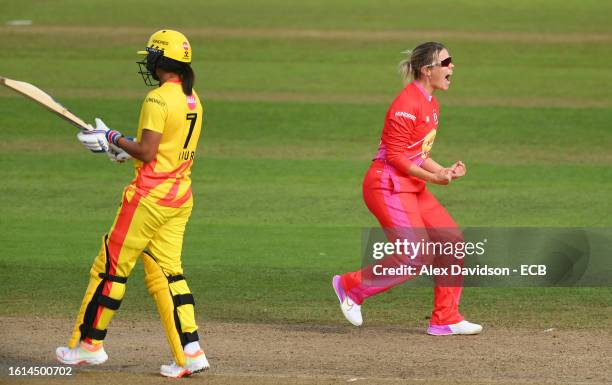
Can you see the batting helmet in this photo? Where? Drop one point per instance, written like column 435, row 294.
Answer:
column 166, row 46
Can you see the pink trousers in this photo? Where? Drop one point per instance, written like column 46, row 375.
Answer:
column 413, row 215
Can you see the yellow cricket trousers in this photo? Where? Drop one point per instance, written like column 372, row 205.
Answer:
column 154, row 233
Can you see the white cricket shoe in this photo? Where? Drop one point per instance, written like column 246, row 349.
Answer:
column 351, row 311
column 194, row 363
column 84, row 354
column 463, row 327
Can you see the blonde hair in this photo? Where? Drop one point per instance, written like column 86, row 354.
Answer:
column 423, row 55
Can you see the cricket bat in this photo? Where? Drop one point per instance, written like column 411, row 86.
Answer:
column 45, row 100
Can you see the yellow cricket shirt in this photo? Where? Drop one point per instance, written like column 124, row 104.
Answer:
column 178, row 117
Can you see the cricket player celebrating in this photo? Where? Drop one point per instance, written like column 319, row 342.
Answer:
column 155, row 208
column 394, row 189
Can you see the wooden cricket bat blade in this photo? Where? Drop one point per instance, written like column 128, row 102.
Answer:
column 41, row 97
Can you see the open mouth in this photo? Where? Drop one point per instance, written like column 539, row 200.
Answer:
column 447, row 77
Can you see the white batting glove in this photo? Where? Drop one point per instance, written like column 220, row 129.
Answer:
column 95, row 140
column 103, row 139
column 112, row 136
column 117, row 154
column 114, row 152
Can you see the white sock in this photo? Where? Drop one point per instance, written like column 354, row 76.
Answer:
column 192, row 347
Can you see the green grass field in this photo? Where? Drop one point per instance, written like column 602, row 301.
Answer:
column 295, row 98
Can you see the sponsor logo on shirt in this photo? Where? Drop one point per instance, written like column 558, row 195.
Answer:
column 428, row 142
column 405, row 115
column 154, row 100
column 191, row 102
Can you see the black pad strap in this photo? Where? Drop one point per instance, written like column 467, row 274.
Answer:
column 189, row 337
column 108, row 302
column 113, row 278
column 183, row 299
column 93, row 333
column 174, row 278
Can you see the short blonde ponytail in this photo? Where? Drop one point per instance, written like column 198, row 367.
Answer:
column 423, row 55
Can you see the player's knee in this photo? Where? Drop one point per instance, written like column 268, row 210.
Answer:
column 155, row 281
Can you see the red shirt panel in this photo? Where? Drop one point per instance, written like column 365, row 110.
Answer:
column 408, row 135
